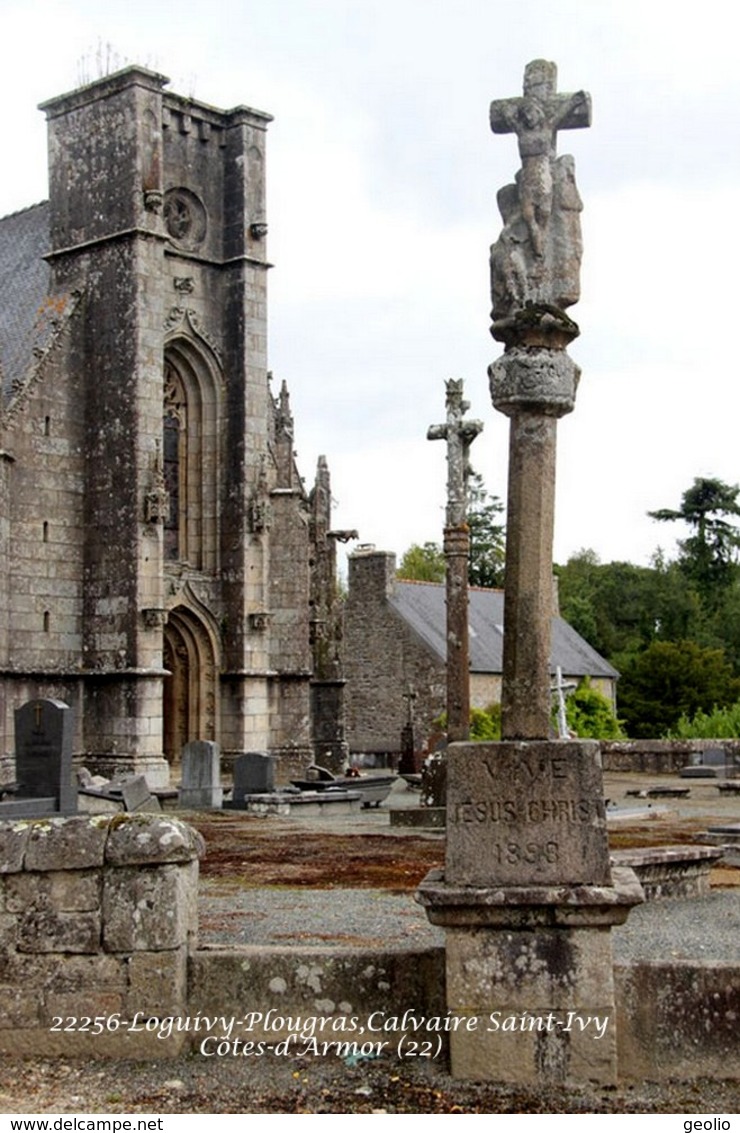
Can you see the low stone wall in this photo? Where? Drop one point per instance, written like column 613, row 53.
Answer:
column 660, row 757
column 677, row 1020
column 278, row 986
column 97, row 914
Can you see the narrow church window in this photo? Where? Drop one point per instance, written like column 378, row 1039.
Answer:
column 47, row 426
column 46, row 621
column 45, row 532
column 171, row 469
column 190, row 452
column 174, row 459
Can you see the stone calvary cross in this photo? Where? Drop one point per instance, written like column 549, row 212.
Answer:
column 528, row 895
column 459, row 435
column 535, row 270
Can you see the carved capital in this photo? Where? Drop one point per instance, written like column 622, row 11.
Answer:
column 153, row 200
column 259, row 620
column 535, row 379
column 153, row 617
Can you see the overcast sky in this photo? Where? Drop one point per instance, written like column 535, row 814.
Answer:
column 382, row 179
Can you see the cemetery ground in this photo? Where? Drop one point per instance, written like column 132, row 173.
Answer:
column 348, row 882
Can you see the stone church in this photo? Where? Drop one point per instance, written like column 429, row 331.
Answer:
column 162, row 567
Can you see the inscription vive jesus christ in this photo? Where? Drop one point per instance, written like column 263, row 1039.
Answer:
column 538, row 254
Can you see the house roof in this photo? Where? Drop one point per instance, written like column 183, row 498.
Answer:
column 422, row 606
column 24, row 284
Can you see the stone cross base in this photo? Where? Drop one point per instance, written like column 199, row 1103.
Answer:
column 528, row 900
column 530, row 972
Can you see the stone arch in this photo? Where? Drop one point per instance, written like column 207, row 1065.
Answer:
column 191, row 446
column 190, row 696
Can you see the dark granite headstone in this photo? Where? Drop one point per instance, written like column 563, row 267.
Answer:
column 43, row 754
column 254, row 774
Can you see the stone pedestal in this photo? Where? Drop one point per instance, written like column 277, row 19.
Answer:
column 528, row 900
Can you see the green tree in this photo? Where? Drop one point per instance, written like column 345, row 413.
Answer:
column 671, row 679
column 590, row 714
column 719, row 724
column 422, row 563
column 709, row 555
column 621, row 608
column 485, row 723
column 487, row 536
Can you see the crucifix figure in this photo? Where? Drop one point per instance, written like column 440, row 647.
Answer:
column 537, row 257
column 536, row 119
column 459, row 435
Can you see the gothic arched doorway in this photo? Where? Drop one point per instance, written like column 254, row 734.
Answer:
column 190, row 701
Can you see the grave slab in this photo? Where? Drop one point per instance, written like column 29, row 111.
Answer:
column 201, row 776
column 43, row 759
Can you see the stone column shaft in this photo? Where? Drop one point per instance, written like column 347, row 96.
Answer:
column 525, row 702
column 457, row 551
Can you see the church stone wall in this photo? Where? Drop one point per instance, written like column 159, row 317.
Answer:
column 41, row 504
column 115, row 555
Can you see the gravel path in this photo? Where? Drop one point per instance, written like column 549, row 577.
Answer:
column 323, row 1085
column 701, row 929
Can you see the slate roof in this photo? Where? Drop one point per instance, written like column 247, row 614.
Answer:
column 24, row 284
column 422, row 606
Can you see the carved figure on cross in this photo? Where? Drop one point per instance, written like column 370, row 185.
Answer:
column 535, row 119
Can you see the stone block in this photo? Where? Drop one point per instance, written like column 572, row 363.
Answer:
column 44, row 930
column 148, row 839
column 79, row 891
column 92, row 1002
column 558, row 967
column 19, row 1008
column 13, row 841
column 526, row 813
column 8, row 927
column 77, row 975
column 555, row 1051
column 66, row 843
column 147, row 909
column 157, row 983
column 73, row 891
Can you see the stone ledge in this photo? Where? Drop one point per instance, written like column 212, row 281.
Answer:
column 530, row 906
column 91, row 841
column 670, row 871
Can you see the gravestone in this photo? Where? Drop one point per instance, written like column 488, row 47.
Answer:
column 254, row 774
column 137, row 796
column 528, row 896
column 201, row 776
column 43, row 760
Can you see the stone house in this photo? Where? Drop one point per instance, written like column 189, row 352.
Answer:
column 162, row 567
column 395, row 644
